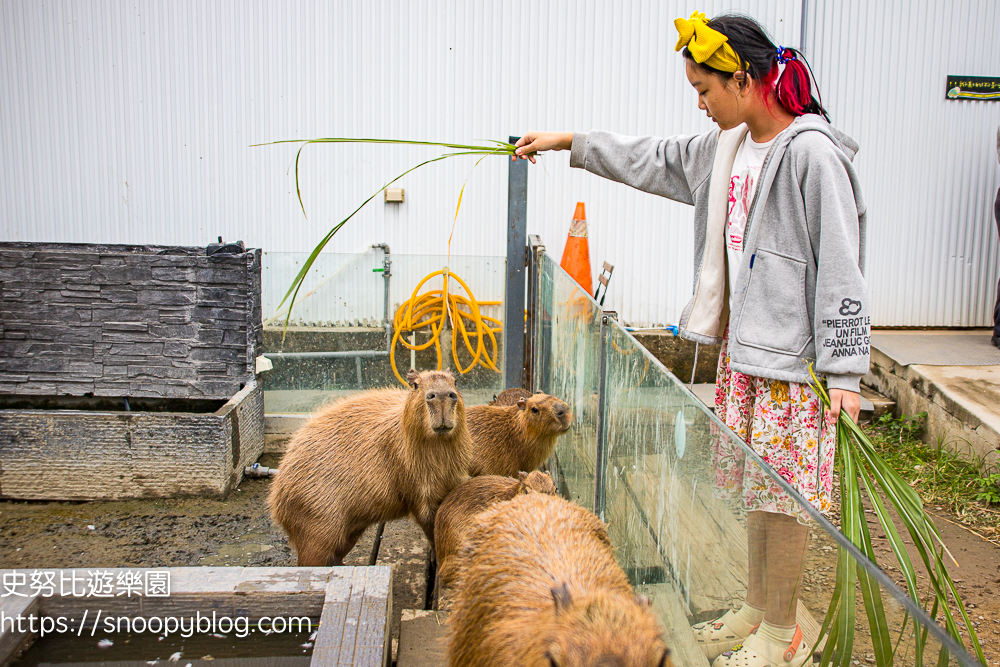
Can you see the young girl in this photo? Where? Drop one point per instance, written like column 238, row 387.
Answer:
column 779, row 256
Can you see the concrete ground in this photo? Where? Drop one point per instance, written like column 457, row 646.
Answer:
column 962, row 402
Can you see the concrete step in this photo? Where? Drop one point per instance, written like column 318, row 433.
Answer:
column 961, row 403
column 874, row 404
column 422, row 638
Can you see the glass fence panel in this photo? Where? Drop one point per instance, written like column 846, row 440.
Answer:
column 341, row 309
column 570, row 324
column 679, row 494
column 677, row 489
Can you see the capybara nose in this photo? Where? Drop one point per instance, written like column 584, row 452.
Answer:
column 561, row 409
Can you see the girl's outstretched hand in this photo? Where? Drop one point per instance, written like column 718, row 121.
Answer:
column 536, row 142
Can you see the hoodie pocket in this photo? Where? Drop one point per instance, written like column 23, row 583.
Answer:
column 774, row 315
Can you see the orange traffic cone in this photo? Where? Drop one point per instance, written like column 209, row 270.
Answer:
column 576, row 255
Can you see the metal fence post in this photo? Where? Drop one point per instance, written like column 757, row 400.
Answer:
column 601, row 455
column 531, row 345
column 517, row 245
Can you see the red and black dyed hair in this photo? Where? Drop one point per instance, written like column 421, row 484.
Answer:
column 793, row 86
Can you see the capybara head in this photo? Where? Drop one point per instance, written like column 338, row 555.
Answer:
column 545, row 414
column 537, row 482
column 604, row 630
column 437, row 391
column 510, row 396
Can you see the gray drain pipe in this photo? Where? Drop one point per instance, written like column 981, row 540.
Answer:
column 257, row 470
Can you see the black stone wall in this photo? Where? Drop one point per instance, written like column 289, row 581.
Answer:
column 115, row 320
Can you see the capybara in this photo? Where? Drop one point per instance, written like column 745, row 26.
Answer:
column 510, row 396
column 511, row 438
column 538, row 585
column 455, row 516
column 375, row 456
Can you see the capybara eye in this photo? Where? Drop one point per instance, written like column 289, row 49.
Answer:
column 453, row 396
column 430, row 397
column 535, row 410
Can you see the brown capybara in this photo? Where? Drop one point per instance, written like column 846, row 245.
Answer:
column 510, row 396
column 455, row 516
column 538, row 585
column 510, row 438
column 375, row 456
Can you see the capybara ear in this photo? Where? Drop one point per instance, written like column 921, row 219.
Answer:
column 539, row 391
column 523, row 476
column 521, row 404
column 411, row 377
column 643, row 601
column 562, row 598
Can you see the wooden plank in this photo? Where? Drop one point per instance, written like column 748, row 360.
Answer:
column 422, row 637
column 12, row 640
column 329, row 637
column 677, row 633
column 194, row 589
column 75, row 580
column 349, row 643
column 372, row 623
column 281, row 591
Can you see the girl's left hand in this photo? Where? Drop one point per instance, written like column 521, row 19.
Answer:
column 848, row 401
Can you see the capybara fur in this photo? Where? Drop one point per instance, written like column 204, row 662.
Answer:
column 538, row 585
column 454, row 517
column 375, row 456
column 511, row 438
column 510, row 396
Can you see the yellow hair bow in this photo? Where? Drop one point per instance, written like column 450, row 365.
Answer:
column 707, row 46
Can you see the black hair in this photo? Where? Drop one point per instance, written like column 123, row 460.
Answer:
column 759, row 59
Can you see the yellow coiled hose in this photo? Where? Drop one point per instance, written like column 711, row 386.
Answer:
column 433, row 309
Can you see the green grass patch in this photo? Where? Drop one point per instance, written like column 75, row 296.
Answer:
column 943, row 480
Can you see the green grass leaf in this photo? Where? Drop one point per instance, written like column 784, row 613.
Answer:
column 497, row 148
column 865, row 474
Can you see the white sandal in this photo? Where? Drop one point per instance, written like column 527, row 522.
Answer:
column 722, row 634
column 758, row 652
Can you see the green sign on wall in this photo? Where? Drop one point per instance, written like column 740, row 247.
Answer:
column 973, row 88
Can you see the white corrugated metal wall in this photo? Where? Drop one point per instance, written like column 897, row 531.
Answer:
column 131, row 122
column 928, row 165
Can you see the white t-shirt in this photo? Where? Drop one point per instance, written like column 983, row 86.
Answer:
column 742, row 184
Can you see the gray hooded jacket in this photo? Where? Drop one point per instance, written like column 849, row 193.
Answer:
column 801, row 297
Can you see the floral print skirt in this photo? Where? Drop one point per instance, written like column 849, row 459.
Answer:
column 783, row 422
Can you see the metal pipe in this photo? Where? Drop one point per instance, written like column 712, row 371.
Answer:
column 694, row 366
column 341, row 354
column 536, row 251
column 517, row 246
column 257, row 470
column 387, row 274
column 601, row 455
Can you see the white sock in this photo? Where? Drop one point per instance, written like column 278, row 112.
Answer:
column 750, row 615
column 776, row 634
